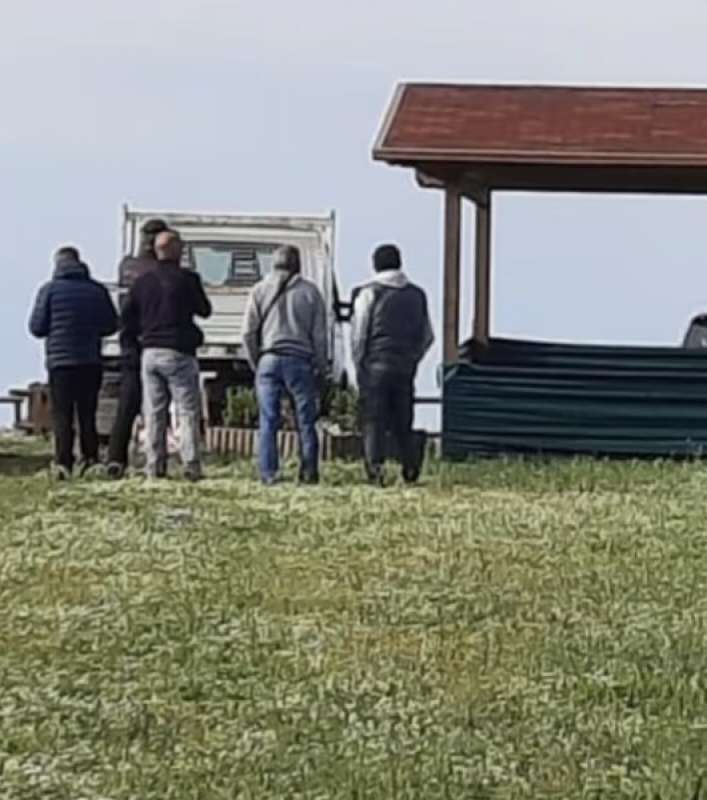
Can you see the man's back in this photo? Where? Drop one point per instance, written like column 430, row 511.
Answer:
column 162, row 305
column 296, row 323
column 285, row 339
column 131, row 268
column 73, row 312
column 398, row 318
column 391, row 324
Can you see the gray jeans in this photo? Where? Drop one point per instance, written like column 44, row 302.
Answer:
column 166, row 375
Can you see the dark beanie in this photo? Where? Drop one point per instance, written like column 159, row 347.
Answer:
column 149, row 232
column 154, row 226
column 387, row 256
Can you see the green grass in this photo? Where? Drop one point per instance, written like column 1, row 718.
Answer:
column 514, row 630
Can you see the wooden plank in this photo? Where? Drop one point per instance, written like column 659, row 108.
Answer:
column 452, row 252
column 482, row 271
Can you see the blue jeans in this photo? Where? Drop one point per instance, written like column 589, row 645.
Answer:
column 166, row 375
column 295, row 376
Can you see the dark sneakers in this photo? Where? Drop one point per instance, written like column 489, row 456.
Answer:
column 115, row 470
column 86, row 466
column 156, row 472
column 376, row 476
column 411, row 475
column 193, row 472
column 60, row 473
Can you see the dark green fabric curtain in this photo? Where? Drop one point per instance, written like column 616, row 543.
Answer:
column 518, row 397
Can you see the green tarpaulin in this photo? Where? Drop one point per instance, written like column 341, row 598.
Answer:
column 528, row 397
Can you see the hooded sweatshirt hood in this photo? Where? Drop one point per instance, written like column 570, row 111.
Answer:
column 70, row 269
column 390, row 324
column 394, row 278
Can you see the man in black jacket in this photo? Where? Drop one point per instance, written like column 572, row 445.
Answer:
column 160, row 311
column 73, row 312
column 391, row 332
column 130, row 398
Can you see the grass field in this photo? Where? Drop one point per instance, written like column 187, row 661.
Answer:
column 505, row 630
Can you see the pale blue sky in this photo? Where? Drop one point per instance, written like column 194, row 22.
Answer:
column 273, row 106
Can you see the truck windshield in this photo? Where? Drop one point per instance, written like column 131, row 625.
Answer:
column 229, row 263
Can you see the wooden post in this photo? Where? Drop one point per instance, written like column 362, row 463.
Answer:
column 452, row 251
column 482, row 272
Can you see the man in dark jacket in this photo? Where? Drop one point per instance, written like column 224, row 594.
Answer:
column 130, row 399
column 160, row 310
column 73, row 312
column 391, row 332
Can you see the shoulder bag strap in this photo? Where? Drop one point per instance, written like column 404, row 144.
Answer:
column 282, row 288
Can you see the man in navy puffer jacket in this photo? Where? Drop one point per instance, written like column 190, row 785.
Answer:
column 73, row 313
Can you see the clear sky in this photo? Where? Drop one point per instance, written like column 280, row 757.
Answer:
column 273, row 106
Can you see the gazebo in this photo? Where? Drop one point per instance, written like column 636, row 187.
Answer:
column 471, row 141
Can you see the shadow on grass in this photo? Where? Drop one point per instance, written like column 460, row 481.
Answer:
column 16, row 464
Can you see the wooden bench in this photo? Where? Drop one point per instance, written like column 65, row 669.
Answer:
column 17, row 400
column 37, row 418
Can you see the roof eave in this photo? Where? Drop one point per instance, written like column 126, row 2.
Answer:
column 413, row 157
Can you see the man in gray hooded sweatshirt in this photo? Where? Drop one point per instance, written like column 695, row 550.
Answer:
column 391, row 332
column 285, row 339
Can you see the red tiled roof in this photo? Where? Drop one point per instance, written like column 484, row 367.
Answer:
column 550, row 126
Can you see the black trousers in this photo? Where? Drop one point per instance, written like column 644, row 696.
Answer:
column 74, row 393
column 129, row 406
column 387, row 409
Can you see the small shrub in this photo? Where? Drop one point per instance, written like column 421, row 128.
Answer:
column 241, row 408
column 339, row 408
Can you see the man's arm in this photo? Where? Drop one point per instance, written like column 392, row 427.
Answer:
column 202, row 304
column 130, row 329
column 428, row 337
column 130, row 315
column 251, row 338
column 109, row 317
column 126, row 274
column 319, row 332
column 40, row 319
column 360, row 324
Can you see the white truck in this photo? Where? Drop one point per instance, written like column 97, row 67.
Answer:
column 232, row 252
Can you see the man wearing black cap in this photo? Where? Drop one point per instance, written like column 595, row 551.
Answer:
column 130, row 399
column 391, row 332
